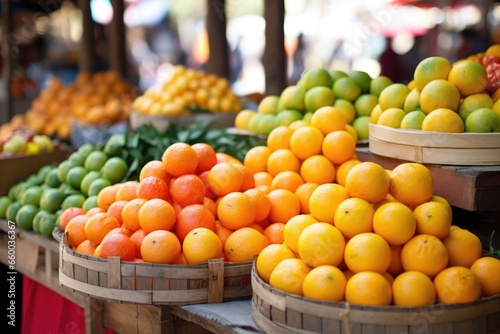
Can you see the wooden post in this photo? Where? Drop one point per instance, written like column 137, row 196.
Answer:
column 274, row 60
column 117, row 39
column 87, row 48
column 7, row 57
column 218, row 61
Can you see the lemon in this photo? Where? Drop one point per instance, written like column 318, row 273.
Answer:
column 347, row 109
column 269, row 104
column 364, row 104
column 346, row 88
column 361, row 125
column 431, row 68
column 243, row 118
column 317, row 97
column 413, row 120
column 292, row 97
column 473, row 102
column 378, row 84
column 315, row 77
column 391, row 117
column 483, row 120
column 393, row 96
column 443, row 120
column 363, row 80
column 412, row 101
column 439, row 93
column 469, row 77
column 376, row 112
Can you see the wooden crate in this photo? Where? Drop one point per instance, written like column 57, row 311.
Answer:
column 147, row 283
column 435, row 147
column 278, row 312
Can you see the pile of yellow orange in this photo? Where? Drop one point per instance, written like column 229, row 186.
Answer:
column 187, row 90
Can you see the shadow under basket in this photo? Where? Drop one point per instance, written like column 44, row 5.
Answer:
column 148, row 283
column 275, row 311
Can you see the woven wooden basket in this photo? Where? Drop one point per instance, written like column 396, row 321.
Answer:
column 147, row 283
column 275, row 311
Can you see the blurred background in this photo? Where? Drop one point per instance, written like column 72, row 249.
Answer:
column 377, row 36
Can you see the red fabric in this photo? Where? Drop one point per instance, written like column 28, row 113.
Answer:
column 45, row 311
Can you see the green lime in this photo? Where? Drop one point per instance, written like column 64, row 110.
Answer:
column 315, row 77
column 19, row 190
column 51, row 179
column 90, row 202
column 361, row 125
column 12, row 210
column 63, row 169
column 363, row 80
column 364, row 104
column 75, row 176
column 288, row 116
column 87, row 180
column 77, row 159
column 37, row 219
column 12, row 194
column 412, row 101
column 346, row 88
column 268, row 105
column 253, row 123
column 318, row 97
column 42, row 172
column 378, row 84
column 307, row 116
column 347, row 108
column 5, row 201
column 336, row 74
column 25, row 215
column 95, row 160
column 32, row 195
column 483, row 120
column 114, row 146
column 86, row 149
column 413, row 120
column 97, row 185
column 292, row 97
column 34, row 180
column 116, row 168
column 73, row 201
column 266, row 124
column 47, row 224
column 68, row 190
column 52, row 200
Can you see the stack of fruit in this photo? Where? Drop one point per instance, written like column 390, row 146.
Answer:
column 445, row 97
column 24, row 140
column 188, row 91
column 354, row 93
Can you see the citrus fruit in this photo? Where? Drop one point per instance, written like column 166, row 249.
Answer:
column 5, row 201
column 206, row 156
column 369, row 181
column 487, row 270
column 224, row 178
column 52, row 200
column 160, row 247
column 324, row 201
column 463, row 246
column 114, row 169
column 117, row 244
column 393, row 96
column 278, row 138
column 289, row 276
column 395, row 222
column 95, row 160
column 191, row 217
column 431, row 68
column 63, row 169
column 98, row 226
column 51, row 179
column 412, row 101
column 378, row 84
column 328, row 119
column 242, row 119
column 154, row 168
column 391, row 117
column 346, row 88
column 303, row 192
column 281, row 160
column 443, row 120
column 473, row 102
column 315, row 77
column 325, row 283
column 266, row 123
column 284, row 205
column 412, row 288
column 483, row 120
column 269, row 258
column 320, row 244
column 316, row 169
column 306, row 141
column 361, row 125
column 47, row 224
column 97, row 185
column 74, row 200
column 368, row 288
column 353, row 216
column 179, row 159
column 75, row 176
column 338, row 146
column 318, row 97
column 268, row 105
column 32, row 195
column 424, row 253
column 201, row 245
column 457, row 285
column 76, row 230
column 364, row 104
column 437, row 94
column 411, row 183
column 413, row 120
column 432, row 218
column 243, row 244
column 292, row 97
column 347, row 108
column 362, row 78
column 187, row 189
column 25, row 215
column 367, row 252
column 286, row 117
column 87, row 180
column 67, row 215
column 293, row 229
column 335, row 74
column 469, row 77
column 156, row 214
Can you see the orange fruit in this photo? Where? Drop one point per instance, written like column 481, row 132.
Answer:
column 224, row 157
column 444, row 201
column 93, row 211
column 187, row 189
column 317, row 169
column 248, row 182
column 487, row 270
column 224, row 178
column 262, row 179
column 160, row 247
column 304, row 192
column 137, row 238
column 156, row 214
column 179, row 159
column 412, row 183
column 153, row 187
column 284, row 205
column 130, row 213
column 204, row 177
column 115, row 209
column 367, row 252
column 281, row 160
column 343, row 169
column 279, row 137
column 68, row 214
column 306, row 141
column 222, row 232
column 127, row 191
column 469, row 77
column 243, row 244
column 86, row 247
column 353, row 216
column 274, row 233
column 287, row 180
column 99, row 225
column 191, row 217
column 321, row 243
column 424, row 253
column 181, row 259
column 117, row 244
column 413, row 288
column 154, row 168
column 432, row 218
column 289, row 275
column 325, row 199
column 368, row 289
column 76, row 230
column 328, row 119
column 464, row 247
column 256, row 158
column 122, row 229
column 388, row 277
column 395, row 222
column 457, row 285
column 294, row 227
column 106, row 196
column 338, row 146
column 325, row 283
column 201, row 245
column 269, row 258
column 396, row 267
column 210, row 205
column 262, row 203
column 236, row 210
column 206, row 156
column 369, row 181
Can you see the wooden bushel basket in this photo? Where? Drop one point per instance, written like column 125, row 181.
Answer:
column 275, row 311
column 430, row 147
column 148, row 283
